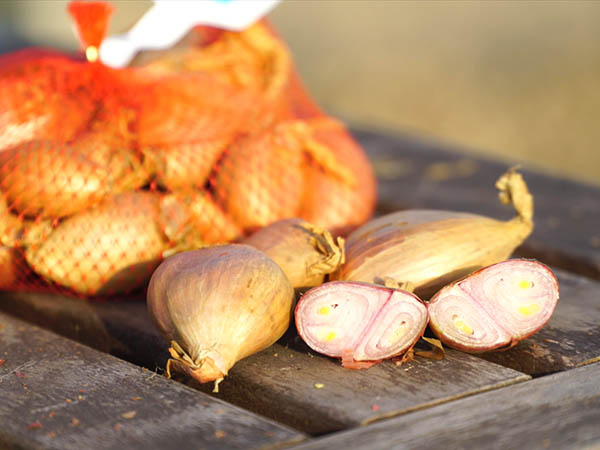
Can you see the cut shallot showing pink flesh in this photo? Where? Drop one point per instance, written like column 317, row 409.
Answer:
column 374, row 322
column 494, row 307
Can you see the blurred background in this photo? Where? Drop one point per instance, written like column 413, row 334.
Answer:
column 515, row 81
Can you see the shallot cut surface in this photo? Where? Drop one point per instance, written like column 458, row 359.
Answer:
column 374, row 322
column 495, row 307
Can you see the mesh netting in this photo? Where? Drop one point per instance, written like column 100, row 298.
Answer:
column 104, row 172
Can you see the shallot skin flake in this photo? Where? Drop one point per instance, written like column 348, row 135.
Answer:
column 374, row 322
column 495, row 307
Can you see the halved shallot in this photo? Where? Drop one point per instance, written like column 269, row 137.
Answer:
column 494, row 307
column 368, row 322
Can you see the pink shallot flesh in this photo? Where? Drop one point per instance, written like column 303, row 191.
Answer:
column 495, row 307
column 364, row 321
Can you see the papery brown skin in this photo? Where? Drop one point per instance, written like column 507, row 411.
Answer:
column 432, row 248
column 261, row 178
column 124, row 166
column 294, row 245
column 43, row 96
column 111, row 248
column 329, row 201
column 18, row 232
column 111, row 142
column 252, row 59
column 49, row 179
column 10, row 224
column 184, row 125
column 192, row 220
column 12, row 267
column 373, row 321
column 495, row 307
column 219, row 304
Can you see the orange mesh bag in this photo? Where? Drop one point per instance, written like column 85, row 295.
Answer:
column 104, row 172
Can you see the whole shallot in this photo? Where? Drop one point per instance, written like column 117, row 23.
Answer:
column 305, row 253
column 432, row 248
column 111, row 248
column 217, row 305
column 191, row 219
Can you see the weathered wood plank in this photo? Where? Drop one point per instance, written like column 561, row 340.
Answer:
column 284, row 383
column 315, row 394
column 120, row 327
column 560, row 411
column 570, row 339
column 58, row 394
column 415, row 173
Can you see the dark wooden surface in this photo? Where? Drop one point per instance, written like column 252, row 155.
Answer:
column 560, row 411
column 315, row 394
column 415, row 173
column 62, row 395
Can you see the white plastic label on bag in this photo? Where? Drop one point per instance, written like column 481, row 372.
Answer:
column 167, row 21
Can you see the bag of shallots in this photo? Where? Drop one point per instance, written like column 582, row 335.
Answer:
column 104, row 171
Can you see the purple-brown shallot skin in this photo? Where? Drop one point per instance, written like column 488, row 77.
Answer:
column 495, row 307
column 374, row 322
column 304, row 252
column 432, row 248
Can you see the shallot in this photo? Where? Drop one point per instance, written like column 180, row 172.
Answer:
column 50, row 179
column 111, row 248
column 192, row 220
column 495, row 307
column 217, row 305
column 343, row 199
column 432, row 248
column 360, row 322
column 305, row 253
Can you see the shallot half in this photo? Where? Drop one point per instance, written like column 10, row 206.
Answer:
column 360, row 322
column 494, row 307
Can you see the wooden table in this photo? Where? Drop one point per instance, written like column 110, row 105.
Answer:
column 77, row 374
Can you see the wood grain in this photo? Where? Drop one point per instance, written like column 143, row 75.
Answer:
column 315, row 394
column 58, row 394
column 560, row 411
column 416, row 173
